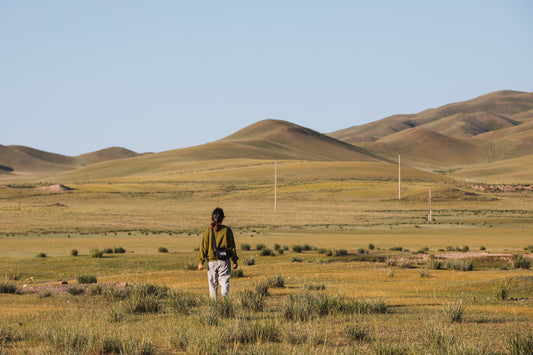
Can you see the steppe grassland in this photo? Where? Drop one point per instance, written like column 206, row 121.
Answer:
column 325, row 205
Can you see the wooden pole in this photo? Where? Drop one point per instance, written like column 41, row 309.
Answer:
column 430, row 218
column 20, row 199
column 399, row 179
column 276, row 185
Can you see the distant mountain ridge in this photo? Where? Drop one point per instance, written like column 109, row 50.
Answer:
column 489, row 128
column 16, row 158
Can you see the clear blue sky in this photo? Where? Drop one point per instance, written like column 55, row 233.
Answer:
column 78, row 76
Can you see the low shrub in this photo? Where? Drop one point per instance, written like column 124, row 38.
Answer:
column 356, row 332
column 76, row 291
column 454, row 312
column 276, row 281
column 261, row 287
column 267, row 252
column 277, row 247
column 7, row 288
column 41, row 255
column 390, row 262
column 297, row 248
column 260, row 246
column 146, row 298
column 182, row 302
column 502, row 293
column 307, row 247
column 162, row 250
column 361, row 250
column 245, row 246
column 108, row 251
column 119, row 250
column 96, row 253
column 252, row 300
column 139, row 303
column 521, row 262
column 250, row 261
column 74, row 252
column 296, row 260
column 341, row 252
column 371, row 246
column 482, row 248
column 396, row 249
column 434, row 264
column 460, row 265
column 87, row 279
column 315, row 286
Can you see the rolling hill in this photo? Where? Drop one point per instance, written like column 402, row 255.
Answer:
column 264, row 140
column 494, row 111
column 489, row 128
column 18, row 160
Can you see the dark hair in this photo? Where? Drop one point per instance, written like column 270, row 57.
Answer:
column 217, row 217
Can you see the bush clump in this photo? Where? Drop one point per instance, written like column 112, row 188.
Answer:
column 297, row 248
column 267, row 252
column 76, row 291
column 252, row 300
column 96, row 253
column 460, row 265
column 260, row 246
column 7, row 288
column 74, row 252
column 276, row 281
column 182, row 302
column 87, row 279
column 250, row 261
column 119, row 250
column 245, row 246
column 454, row 312
column 162, row 250
column 41, row 255
column 108, row 251
column 521, row 262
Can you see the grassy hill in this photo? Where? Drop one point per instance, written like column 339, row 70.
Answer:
column 491, row 109
column 492, row 127
column 264, row 140
column 25, row 162
column 510, row 171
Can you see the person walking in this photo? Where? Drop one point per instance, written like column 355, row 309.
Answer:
column 218, row 248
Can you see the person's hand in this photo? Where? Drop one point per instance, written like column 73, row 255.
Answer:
column 235, row 266
column 200, row 266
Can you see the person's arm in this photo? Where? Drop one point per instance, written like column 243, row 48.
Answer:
column 202, row 252
column 232, row 247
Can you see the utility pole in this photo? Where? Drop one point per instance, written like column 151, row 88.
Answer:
column 399, row 179
column 276, row 185
column 430, row 218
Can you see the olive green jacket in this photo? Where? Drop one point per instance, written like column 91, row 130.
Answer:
column 223, row 238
